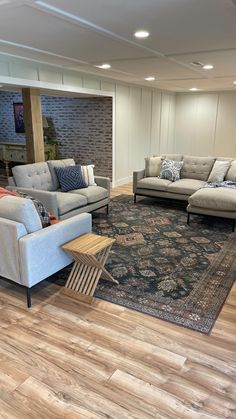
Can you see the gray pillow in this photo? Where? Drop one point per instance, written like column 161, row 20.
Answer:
column 170, row 170
column 219, row 171
column 152, row 166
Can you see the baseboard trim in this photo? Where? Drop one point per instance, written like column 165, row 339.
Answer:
column 120, row 182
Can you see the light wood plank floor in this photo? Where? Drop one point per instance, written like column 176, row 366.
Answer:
column 67, row 359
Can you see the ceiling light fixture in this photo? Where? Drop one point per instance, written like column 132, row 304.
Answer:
column 234, row 82
column 197, row 63
column 104, row 66
column 193, row 89
column 208, row 67
column 151, row 78
column 141, row 34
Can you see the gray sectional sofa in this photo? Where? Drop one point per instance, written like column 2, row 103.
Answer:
column 190, row 187
column 39, row 180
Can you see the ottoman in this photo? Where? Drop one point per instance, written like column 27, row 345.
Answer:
column 218, row 202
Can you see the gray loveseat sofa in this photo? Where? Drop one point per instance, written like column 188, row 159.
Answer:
column 220, row 202
column 39, row 180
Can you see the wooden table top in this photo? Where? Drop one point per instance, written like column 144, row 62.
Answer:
column 89, row 244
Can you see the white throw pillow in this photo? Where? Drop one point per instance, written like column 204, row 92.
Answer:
column 219, row 171
column 88, row 174
column 152, row 166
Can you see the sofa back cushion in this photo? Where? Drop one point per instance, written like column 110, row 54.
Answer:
column 197, row 167
column 34, row 176
column 175, row 157
column 58, row 163
column 231, row 174
column 22, row 211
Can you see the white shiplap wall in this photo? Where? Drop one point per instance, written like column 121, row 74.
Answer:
column 144, row 126
column 205, row 124
column 143, row 117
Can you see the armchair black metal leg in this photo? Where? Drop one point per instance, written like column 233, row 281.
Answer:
column 135, row 200
column 28, row 294
column 188, row 218
column 107, row 207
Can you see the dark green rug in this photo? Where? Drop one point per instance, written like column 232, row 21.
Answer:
column 167, row 269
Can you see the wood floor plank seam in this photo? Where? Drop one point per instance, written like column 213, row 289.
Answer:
column 65, row 359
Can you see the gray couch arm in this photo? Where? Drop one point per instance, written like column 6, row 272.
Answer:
column 137, row 175
column 104, row 182
column 48, row 198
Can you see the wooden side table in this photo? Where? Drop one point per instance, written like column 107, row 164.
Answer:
column 90, row 253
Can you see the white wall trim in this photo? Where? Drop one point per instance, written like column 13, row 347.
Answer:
column 120, row 182
column 18, row 82
column 113, row 139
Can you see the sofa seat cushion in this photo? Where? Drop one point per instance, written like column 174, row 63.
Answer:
column 91, row 193
column 222, row 199
column 186, row 186
column 197, row 167
column 67, row 201
column 153, row 183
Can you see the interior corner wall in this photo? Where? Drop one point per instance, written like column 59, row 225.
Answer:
column 205, row 124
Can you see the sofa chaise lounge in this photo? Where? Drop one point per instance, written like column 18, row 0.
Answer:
column 40, row 181
column 191, row 187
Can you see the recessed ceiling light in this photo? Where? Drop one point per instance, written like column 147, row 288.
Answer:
column 103, row 66
column 208, row 67
column 151, row 78
column 234, row 82
column 141, row 34
column 193, row 89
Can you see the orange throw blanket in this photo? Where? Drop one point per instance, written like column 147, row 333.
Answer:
column 5, row 192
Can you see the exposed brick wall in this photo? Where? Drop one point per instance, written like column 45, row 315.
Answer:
column 7, row 124
column 83, row 129
column 81, row 126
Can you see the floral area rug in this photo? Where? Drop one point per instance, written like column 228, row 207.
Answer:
column 166, row 268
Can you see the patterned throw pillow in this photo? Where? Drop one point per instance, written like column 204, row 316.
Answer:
column 88, row 175
column 70, row 177
column 41, row 210
column 170, row 170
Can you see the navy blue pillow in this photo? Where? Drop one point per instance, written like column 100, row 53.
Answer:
column 70, row 177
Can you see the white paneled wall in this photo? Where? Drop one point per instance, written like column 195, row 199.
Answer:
column 205, row 124
column 144, row 126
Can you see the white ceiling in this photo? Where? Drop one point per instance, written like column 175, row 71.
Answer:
column 78, row 34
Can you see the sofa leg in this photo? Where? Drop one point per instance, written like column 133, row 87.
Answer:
column 107, row 207
column 233, row 226
column 28, row 295
column 135, row 198
column 188, row 218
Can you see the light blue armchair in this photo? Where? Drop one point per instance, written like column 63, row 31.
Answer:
column 28, row 252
